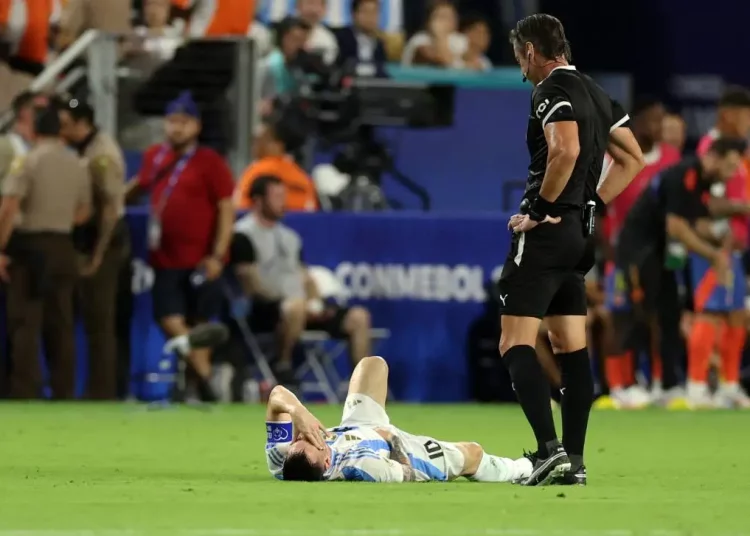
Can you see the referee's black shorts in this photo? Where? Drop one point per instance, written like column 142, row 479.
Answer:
column 544, row 272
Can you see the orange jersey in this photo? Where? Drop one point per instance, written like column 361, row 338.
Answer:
column 214, row 18
column 300, row 190
column 26, row 26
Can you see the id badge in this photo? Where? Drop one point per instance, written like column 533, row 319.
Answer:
column 154, row 234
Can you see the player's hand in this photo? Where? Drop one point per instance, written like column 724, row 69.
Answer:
column 212, row 268
column 526, row 224
column 306, row 426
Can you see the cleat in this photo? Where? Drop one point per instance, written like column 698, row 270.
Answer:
column 574, row 477
column 606, row 402
column 547, row 469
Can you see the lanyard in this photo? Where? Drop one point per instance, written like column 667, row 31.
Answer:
column 173, row 179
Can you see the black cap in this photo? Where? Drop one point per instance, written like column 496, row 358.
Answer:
column 78, row 109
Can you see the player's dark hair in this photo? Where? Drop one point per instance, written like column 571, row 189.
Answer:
column 356, row 4
column 473, row 19
column 543, row 31
column 298, row 468
column 286, row 25
column 723, row 146
column 735, row 97
column 47, row 120
column 643, row 104
column 23, row 100
column 260, row 186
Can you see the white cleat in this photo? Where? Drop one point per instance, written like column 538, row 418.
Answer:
column 639, row 397
column 731, row 397
column 699, row 397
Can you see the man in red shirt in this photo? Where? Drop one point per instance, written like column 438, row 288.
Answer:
column 733, row 121
column 647, row 118
column 190, row 228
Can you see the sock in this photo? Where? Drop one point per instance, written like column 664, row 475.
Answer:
column 656, row 370
column 731, row 347
column 700, row 347
column 533, row 393
column 628, row 369
column 496, row 469
column 578, row 395
column 613, row 372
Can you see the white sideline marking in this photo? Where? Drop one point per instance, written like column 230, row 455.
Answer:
column 358, row 532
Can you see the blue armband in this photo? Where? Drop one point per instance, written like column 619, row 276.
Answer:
column 278, row 432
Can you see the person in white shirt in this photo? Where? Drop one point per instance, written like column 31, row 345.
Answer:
column 321, row 40
column 439, row 44
column 365, row 447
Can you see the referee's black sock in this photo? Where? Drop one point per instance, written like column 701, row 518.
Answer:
column 532, row 390
column 578, row 395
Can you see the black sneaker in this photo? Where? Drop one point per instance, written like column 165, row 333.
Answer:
column 574, row 477
column 547, row 469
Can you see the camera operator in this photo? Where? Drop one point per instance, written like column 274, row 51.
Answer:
column 277, row 72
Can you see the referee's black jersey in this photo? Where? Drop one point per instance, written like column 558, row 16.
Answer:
column 569, row 95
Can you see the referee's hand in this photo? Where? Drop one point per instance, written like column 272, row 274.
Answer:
column 521, row 223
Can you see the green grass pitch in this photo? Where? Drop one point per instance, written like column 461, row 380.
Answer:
column 120, row 470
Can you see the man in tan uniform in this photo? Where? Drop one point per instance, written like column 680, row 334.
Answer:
column 18, row 141
column 44, row 196
column 103, row 241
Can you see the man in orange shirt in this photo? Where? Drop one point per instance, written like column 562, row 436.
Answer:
column 271, row 148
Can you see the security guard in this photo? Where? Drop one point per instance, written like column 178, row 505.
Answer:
column 44, row 196
column 103, row 241
column 18, row 141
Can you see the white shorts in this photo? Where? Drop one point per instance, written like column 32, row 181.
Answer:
column 445, row 457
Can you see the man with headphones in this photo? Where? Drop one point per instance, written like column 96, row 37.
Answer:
column 45, row 195
column 571, row 125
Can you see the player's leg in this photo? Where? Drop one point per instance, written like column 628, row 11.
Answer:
column 733, row 339
column 525, row 293
column 368, row 391
column 708, row 300
column 480, row 466
column 567, row 328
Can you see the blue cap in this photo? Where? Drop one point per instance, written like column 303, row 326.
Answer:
column 183, row 104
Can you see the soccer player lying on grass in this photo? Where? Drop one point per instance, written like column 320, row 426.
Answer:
column 365, row 446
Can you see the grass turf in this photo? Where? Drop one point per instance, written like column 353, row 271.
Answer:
column 78, row 470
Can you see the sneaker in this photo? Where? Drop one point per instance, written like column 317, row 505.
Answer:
column 547, row 469
column 574, row 477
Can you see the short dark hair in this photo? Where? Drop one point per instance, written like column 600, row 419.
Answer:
column 79, row 110
column 286, row 25
column 356, row 4
column 735, row 97
column 47, row 120
column 260, row 186
column 643, row 104
column 299, row 468
column 473, row 19
column 723, row 146
column 543, row 31
column 23, row 100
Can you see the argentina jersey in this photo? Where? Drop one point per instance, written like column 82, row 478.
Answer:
column 339, row 13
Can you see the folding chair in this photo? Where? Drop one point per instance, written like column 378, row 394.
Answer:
column 321, row 354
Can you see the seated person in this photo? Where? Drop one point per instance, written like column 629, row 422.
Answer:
column 477, row 32
column 360, row 44
column 439, row 44
column 271, row 146
column 320, row 40
column 267, row 259
column 365, row 447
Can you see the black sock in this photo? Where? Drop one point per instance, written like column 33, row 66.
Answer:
column 578, row 395
column 533, row 391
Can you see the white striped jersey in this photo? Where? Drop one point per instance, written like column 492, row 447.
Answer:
column 358, row 454
column 339, row 13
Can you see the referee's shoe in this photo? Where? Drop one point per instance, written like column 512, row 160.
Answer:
column 550, row 469
column 575, row 477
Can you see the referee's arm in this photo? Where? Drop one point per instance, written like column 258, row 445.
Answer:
column 556, row 113
column 627, row 158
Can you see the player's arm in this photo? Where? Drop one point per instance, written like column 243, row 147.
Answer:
column 678, row 228
column 721, row 207
column 285, row 408
column 626, row 154
column 399, row 454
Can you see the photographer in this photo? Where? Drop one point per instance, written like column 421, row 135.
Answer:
column 277, row 76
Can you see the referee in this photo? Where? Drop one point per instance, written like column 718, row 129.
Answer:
column 571, row 125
